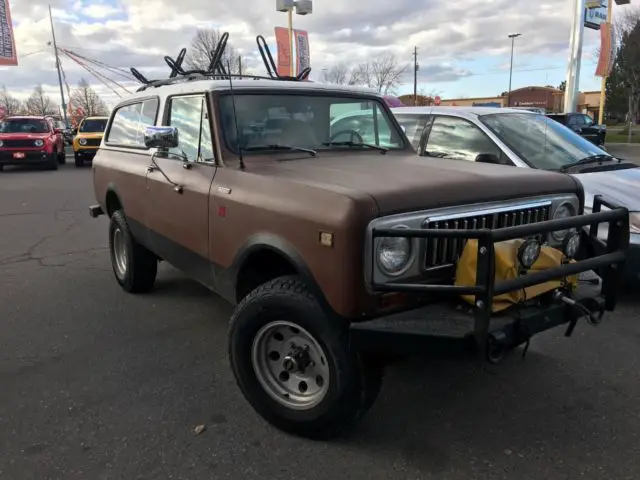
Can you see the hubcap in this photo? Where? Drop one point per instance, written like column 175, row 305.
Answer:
column 290, row 365
column 120, row 252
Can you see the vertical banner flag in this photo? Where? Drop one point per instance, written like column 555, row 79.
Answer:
column 302, row 50
column 284, row 51
column 607, row 51
column 8, row 55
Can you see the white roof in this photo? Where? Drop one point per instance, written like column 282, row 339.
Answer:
column 465, row 112
column 246, row 83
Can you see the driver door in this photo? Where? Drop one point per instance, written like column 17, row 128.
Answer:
column 178, row 213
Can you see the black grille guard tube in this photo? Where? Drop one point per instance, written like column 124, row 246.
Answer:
column 609, row 263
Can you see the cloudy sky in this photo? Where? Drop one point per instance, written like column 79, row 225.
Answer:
column 462, row 45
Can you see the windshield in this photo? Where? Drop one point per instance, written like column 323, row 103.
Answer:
column 306, row 121
column 93, row 125
column 24, row 125
column 540, row 141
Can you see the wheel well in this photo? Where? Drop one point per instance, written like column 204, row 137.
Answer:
column 259, row 268
column 113, row 202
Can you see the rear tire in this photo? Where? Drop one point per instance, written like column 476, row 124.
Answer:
column 282, row 315
column 134, row 266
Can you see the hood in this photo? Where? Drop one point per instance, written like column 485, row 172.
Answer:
column 24, row 136
column 620, row 186
column 406, row 182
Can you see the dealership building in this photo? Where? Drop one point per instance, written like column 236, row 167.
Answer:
column 549, row 98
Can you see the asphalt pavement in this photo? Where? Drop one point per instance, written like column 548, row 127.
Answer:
column 98, row 384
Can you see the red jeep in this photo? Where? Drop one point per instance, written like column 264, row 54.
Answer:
column 26, row 140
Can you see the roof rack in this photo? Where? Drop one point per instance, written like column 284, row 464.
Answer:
column 216, row 70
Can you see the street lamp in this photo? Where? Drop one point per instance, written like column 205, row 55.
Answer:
column 513, row 37
column 302, row 7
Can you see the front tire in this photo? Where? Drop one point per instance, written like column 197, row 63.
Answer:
column 134, row 267
column 295, row 365
column 52, row 162
column 62, row 157
column 78, row 160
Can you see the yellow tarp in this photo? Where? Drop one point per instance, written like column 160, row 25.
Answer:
column 506, row 259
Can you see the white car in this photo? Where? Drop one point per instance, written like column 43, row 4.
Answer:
column 527, row 139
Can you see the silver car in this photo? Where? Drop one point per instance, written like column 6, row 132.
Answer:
column 528, row 140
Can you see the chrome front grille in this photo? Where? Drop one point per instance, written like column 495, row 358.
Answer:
column 444, row 252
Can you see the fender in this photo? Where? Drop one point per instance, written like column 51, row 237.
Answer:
column 274, row 243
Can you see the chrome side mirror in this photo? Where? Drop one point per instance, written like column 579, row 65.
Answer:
column 161, row 137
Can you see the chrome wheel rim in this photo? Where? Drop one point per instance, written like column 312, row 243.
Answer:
column 290, row 365
column 119, row 252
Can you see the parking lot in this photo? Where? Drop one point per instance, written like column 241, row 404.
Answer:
column 99, row 384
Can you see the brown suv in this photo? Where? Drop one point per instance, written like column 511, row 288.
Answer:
column 335, row 242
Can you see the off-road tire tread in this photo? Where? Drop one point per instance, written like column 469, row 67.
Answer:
column 366, row 379
column 143, row 264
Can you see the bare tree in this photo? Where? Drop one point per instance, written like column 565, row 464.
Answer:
column 86, row 98
column 387, row 73
column 200, row 52
column 11, row 104
column 39, row 103
column 339, row 74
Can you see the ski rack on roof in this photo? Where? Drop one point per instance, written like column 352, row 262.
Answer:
column 216, row 70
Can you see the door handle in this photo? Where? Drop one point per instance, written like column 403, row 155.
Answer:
column 150, row 168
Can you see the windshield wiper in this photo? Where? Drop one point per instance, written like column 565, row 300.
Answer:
column 589, row 160
column 357, row 144
column 277, row 146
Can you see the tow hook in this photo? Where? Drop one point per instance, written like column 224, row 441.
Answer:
column 588, row 307
column 496, row 347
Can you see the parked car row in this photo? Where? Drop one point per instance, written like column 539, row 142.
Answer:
column 40, row 140
column 343, row 233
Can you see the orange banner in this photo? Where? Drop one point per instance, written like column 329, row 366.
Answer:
column 607, row 51
column 284, row 51
column 8, row 54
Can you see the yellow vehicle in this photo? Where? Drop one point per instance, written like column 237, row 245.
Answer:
column 88, row 138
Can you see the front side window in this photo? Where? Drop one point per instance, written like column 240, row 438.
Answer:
column 93, row 125
column 451, row 137
column 130, row 121
column 540, row 141
column 189, row 115
column 317, row 122
column 24, row 125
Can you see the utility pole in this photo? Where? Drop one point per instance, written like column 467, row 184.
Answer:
column 239, row 64
column 575, row 56
column 55, row 51
column 513, row 37
column 415, row 76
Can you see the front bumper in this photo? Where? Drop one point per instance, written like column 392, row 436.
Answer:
column 449, row 325
column 86, row 153
column 7, row 157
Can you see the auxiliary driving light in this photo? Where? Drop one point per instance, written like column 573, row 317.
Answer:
column 529, row 252
column 571, row 245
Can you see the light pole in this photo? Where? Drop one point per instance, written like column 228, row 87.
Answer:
column 302, row 7
column 513, row 37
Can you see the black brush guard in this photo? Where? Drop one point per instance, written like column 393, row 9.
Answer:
column 484, row 327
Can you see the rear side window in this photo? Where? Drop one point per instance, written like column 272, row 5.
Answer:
column 129, row 122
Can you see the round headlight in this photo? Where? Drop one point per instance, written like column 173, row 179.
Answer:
column 571, row 245
column 528, row 252
column 82, row 141
column 394, row 254
column 563, row 211
column 38, row 143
